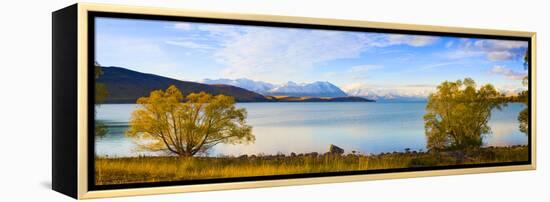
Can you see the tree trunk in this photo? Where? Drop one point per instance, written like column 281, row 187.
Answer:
column 185, row 154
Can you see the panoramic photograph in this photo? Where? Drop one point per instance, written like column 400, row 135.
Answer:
column 184, row 101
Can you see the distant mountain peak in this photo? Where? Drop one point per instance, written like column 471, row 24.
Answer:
column 391, row 93
column 316, row 89
column 290, row 88
column 323, row 82
column 251, row 85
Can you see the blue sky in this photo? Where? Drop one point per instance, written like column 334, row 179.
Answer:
column 350, row 60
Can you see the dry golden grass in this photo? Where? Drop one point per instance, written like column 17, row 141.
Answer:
column 156, row 169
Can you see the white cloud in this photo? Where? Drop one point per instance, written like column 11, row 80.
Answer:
column 498, row 50
column 501, row 44
column 221, row 33
column 275, row 54
column 411, row 40
column 499, row 55
column 493, row 50
column 418, row 41
column 281, row 54
column 507, row 72
column 189, row 44
column 384, row 40
column 459, row 54
column 267, row 54
column 435, row 65
column 183, row 26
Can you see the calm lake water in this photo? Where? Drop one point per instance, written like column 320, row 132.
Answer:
column 312, row 127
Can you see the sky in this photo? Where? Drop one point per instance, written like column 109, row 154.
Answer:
column 350, row 60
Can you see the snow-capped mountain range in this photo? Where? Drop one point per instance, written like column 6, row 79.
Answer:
column 315, row 89
column 251, row 85
column 405, row 92
column 390, row 93
column 327, row 89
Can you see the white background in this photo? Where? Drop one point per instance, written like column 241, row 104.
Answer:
column 25, row 101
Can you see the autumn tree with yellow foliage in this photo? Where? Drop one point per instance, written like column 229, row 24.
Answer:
column 188, row 125
column 457, row 115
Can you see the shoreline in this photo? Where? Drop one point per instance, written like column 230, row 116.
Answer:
column 106, row 156
column 171, row 168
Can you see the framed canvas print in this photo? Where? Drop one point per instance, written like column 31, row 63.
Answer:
column 153, row 100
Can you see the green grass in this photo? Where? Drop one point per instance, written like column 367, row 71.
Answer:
column 156, row 169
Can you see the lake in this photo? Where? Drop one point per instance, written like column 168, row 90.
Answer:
column 311, row 127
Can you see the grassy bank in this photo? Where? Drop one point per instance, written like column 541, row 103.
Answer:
column 154, row 169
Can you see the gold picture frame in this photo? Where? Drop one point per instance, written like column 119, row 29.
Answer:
column 71, row 172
